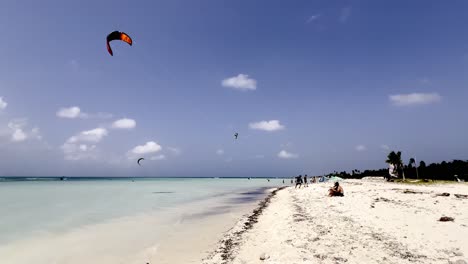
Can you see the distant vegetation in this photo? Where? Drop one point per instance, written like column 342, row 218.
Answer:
column 434, row 171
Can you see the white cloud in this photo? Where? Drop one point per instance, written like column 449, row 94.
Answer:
column 414, row 99
column 345, row 14
column 148, row 147
column 17, row 123
column 124, row 123
column 76, row 149
column 158, row 157
column 75, row 112
column 3, row 104
column 220, row 151
column 240, row 82
column 360, row 148
column 18, row 135
column 93, row 135
column 313, row 18
column 70, row 112
column 283, row 154
column 272, row 125
column 385, row 147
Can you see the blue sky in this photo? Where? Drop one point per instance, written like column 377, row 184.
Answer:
column 311, row 86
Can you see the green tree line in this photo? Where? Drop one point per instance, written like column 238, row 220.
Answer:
column 436, row 171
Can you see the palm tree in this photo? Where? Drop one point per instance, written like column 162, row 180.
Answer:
column 412, row 161
column 395, row 160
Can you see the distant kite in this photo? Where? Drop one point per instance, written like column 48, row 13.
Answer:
column 236, row 135
column 140, row 159
column 117, row 35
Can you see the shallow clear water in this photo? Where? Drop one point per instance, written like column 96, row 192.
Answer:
column 33, row 208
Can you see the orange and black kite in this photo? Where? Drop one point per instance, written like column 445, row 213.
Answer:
column 117, row 35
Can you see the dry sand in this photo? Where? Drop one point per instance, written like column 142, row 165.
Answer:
column 376, row 222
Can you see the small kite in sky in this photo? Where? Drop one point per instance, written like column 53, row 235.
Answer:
column 117, row 35
column 140, row 159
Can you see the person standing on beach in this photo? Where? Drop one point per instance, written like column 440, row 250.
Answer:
column 306, row 184
column 298, row 181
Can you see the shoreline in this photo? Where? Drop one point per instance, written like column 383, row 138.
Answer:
column 375, row 222
column 226, row 246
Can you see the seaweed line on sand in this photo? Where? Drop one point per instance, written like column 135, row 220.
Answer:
column 232, row 240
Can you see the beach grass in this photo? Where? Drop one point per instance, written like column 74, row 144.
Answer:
column 425, row 181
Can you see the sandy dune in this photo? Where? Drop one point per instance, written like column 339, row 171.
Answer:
column 376, row 222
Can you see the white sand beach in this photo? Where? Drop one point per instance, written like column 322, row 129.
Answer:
column 375, row 222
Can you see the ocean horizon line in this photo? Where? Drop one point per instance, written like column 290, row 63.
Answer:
column 64, row 178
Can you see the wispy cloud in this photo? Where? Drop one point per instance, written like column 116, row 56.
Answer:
column 240, row 82
column 76, row 152
column 220, row 152
column 73, row 112
column 19, row 133
column 174, row 151
column 414, row 99
column 361, row 148
column 283, row 154
column 93, row 135
column 384, row 147
column 158, row 157
column 272, row 125
column 313, row 18
column 3, row 103
column 82, row 145
column 345, row 14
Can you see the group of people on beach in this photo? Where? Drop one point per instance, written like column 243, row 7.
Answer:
column 300, row 180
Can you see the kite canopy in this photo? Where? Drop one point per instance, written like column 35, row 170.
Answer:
column 140, row 159
column 117, row 35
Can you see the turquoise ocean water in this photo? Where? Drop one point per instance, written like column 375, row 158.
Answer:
column 36, row 207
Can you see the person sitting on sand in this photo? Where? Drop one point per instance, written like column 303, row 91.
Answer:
column 336, row 190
